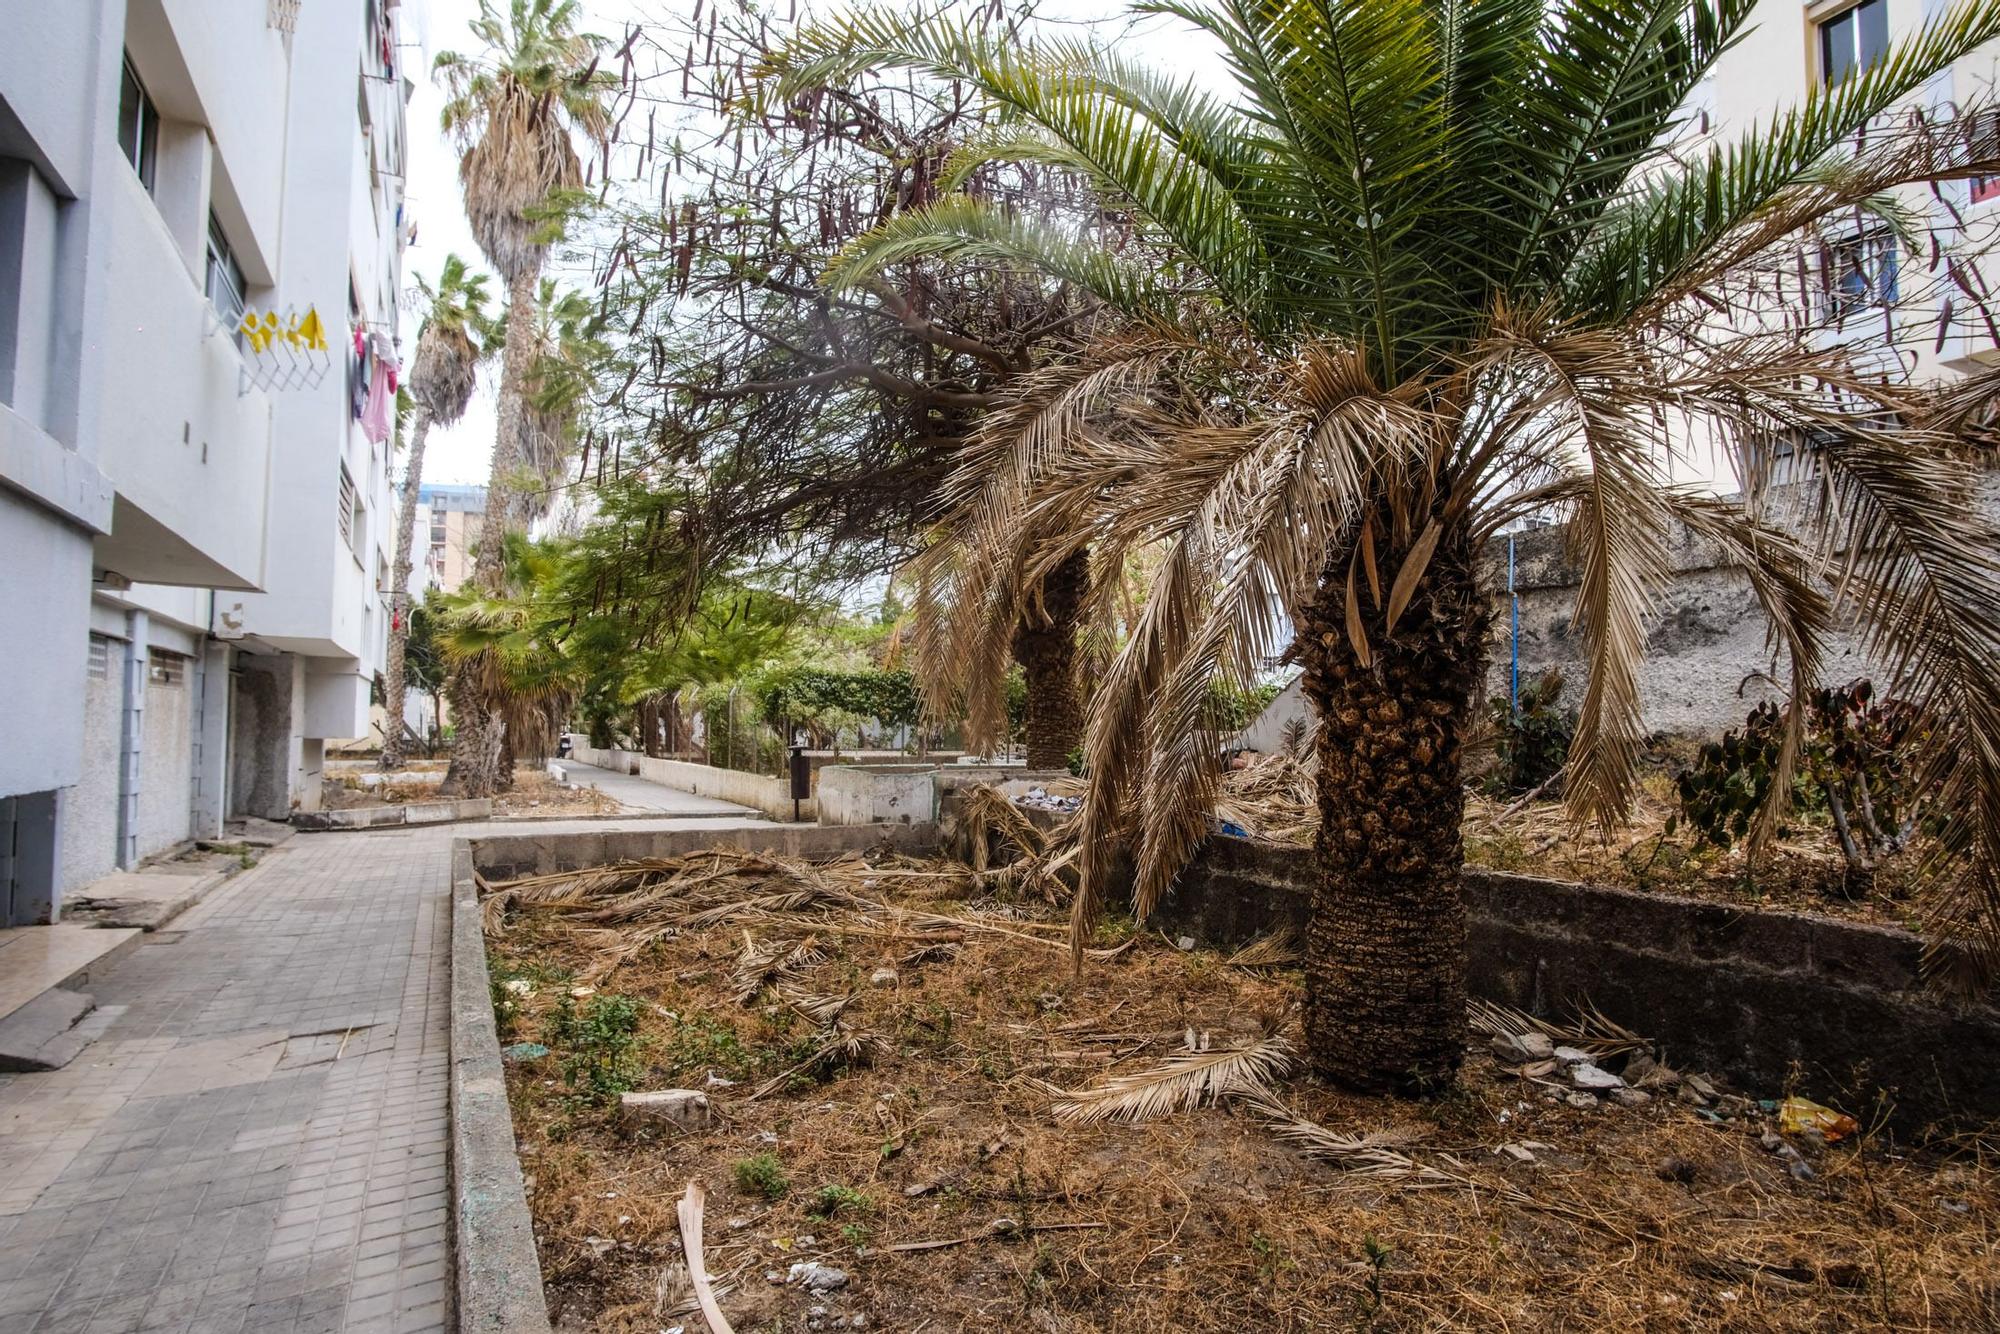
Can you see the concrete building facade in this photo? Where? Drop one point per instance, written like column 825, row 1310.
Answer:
column 164, row 169
column 448, row 523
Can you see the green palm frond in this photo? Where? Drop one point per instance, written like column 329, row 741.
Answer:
column 959, row 227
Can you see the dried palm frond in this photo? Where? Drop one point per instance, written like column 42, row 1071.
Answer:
column 1590, row 1031
column 821, row 1010
column 1280, row 949
column 1190, row 1080
column 763, row 963
column 1372, row 1154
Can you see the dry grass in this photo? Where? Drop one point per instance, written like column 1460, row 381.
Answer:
column 1803, row 871
column 1303, row 1209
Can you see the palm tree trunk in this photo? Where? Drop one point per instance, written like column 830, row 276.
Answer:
column 1047, row 654
column 394, row 675
column 475, row 748
column 1385, row 950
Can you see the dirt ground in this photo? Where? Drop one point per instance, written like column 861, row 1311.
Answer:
column 1497, row 1206
column 533, row 793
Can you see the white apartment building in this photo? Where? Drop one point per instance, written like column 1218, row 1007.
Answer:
column 193, row 530
column 1861, row 282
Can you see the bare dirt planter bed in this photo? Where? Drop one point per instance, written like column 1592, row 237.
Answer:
column 919, row 1157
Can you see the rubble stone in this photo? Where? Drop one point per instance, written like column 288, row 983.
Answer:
column 677, row 1109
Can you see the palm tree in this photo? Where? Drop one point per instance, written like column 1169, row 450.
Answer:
column 1439, row 264
column 515, row 112
column 563, row 351
column 442, row 376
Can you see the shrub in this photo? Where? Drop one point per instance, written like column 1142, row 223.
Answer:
column 1534, row 736
column 762, row 1175
column 1850, row 766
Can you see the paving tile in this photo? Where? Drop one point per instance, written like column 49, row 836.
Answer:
column 258, row 1140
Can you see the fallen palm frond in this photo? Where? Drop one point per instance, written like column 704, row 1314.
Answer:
column 1280, row 949
column 764, row 963
column 1372, row 1154
column 1591, row 1031
column 821, row 1010
column 1190, row 1080
column 1274, row 799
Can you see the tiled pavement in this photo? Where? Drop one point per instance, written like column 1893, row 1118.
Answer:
column 258, row 1141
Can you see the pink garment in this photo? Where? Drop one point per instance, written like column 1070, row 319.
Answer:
column 380, row 408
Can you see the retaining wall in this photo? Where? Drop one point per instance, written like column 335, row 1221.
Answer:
column 773, row 796
column 1747, row 994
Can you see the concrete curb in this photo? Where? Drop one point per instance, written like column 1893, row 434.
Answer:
column 415, row 813
column 498, row 1278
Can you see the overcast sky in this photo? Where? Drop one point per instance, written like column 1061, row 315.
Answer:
column 461, row 453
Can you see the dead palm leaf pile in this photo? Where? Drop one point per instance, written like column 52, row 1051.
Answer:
column 910, row 1085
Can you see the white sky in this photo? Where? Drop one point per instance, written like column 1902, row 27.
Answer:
column 461, row 453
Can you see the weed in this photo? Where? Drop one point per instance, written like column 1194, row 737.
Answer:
column 1377, row 1256
column 855, row 1234
column 699, row 1043
column 835, row 1199
column 762, row 1175
column 600, row 1046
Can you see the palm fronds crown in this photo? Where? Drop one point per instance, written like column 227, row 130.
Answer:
column 512, row 111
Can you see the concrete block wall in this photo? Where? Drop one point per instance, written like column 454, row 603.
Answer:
column 851, row 794
column 1750, row 995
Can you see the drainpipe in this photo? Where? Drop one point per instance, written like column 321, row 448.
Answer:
column 1514, row 644
column 131, row 739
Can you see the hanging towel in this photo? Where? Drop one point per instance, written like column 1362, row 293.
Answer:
column 375, row 417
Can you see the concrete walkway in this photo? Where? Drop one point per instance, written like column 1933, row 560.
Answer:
column 258, row 1141
column 643, row 794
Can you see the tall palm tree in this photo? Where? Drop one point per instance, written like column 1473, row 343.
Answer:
column 1435, row 265
column 564, row 350
column 515, row 112
column 442, row 376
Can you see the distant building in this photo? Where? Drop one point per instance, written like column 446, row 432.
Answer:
column 195, row 523
column 448, row 521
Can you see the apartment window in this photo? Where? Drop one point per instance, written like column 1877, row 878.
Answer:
column 1857, row 273
column 224, row 283
column 1853, row 39
column 381, row 574
column 100, row 658
column 350, row 507
column 166, row 669
column 1982, row 134
column 138, row 125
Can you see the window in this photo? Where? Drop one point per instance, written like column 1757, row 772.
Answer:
column 381, row 574
column 224, row 283
column 100, row 658
column 1857, row 273
column 138, row 125
column 1853, row 39
column 350, row 505
column 165, row 669
column 1982, row 135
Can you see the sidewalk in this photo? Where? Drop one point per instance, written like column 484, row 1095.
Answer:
column 644, row 795
column 258, row 1141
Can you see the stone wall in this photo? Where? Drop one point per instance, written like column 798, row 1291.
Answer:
column 1709, row 661
column 1757, row 997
